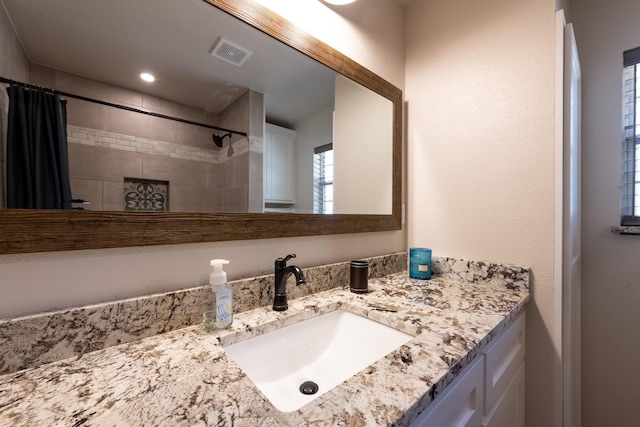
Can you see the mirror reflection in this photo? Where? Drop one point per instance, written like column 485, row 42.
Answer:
column 308, row 144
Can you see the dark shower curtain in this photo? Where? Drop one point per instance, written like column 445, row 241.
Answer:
column 37, row 159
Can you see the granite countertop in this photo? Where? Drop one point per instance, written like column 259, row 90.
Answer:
column 184, row 377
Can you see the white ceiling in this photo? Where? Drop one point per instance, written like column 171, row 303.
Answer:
column 115, row 40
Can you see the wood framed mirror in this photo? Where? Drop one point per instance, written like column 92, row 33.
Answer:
column 23, row 231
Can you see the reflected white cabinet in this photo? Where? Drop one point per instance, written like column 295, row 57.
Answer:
column 487, row 393
column 279, row 165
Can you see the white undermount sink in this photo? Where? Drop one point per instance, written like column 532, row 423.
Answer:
column 326, row 350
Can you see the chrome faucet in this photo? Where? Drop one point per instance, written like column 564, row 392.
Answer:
column 282, row 273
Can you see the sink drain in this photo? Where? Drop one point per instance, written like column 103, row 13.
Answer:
column 308, row 387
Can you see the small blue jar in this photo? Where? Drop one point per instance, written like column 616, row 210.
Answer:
column 420, row 263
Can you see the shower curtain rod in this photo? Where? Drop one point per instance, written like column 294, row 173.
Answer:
column 122, row 107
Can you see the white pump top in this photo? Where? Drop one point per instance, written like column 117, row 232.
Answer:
column 218, row 276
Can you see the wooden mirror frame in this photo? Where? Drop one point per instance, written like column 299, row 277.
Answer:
column 24, row 231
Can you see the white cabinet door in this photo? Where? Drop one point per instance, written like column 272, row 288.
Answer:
column 279, row 161
column 503, row 357
column 504, row 377
column 490, row 391
column 460, row 405
column 509, row 409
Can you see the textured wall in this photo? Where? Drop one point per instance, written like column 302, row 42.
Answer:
column 480, row 102
column 610, row 267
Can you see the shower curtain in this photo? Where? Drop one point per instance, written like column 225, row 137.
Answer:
column 37, row 159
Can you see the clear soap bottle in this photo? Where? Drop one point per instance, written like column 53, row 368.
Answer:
column 222, row 314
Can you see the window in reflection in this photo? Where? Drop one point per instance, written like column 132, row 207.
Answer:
column 323, row 179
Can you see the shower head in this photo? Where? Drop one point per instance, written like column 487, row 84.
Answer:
column 218, row 139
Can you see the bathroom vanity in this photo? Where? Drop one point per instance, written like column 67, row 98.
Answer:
column 489, row 392
column 467, row 328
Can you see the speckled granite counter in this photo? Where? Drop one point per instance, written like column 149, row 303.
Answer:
column 30, row 341
column 183, row 377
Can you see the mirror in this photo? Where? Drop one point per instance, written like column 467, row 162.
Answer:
column 28, row 231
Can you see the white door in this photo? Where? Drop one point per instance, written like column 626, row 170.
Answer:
column 568, row 196
column 571, row 260
column 567, row 267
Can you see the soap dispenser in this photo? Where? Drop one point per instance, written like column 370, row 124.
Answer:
column 222, row 316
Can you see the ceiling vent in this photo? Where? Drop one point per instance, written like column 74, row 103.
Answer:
column 231, row 53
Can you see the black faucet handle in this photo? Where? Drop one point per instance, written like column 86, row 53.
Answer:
column 287, row 258
column 282, row 262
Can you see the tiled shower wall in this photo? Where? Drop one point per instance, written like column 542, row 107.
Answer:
column 235, row 185
column 241, row 182
column 107, row 144
column 100, row 160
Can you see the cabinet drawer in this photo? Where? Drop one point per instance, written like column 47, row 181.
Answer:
column 503, row 357
column 460, row 405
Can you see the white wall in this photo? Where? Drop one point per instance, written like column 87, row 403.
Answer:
column 480, row 102
column 311, row 132
column 363, row 158
column 368, row 31
column 610, row 266
column 373, row 36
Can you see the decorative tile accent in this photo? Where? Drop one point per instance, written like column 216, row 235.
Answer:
column 118, row 141
column 146, row 195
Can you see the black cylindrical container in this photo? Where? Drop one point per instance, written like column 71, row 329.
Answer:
column 359, row 277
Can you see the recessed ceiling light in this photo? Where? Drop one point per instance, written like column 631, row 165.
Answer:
column 339, row 2
column 147, row 77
